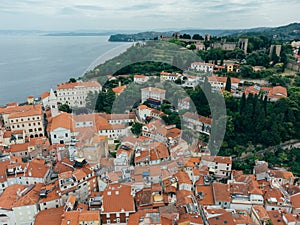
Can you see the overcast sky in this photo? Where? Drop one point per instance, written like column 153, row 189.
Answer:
column 145, row 14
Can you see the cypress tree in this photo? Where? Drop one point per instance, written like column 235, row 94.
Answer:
column 228, row 84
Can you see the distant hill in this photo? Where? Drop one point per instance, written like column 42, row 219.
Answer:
column 285, row 33
column 288, row 32
column 149, row 35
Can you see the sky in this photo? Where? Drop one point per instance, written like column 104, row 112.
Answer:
column 67, row 15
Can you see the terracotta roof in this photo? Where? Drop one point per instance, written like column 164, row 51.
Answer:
column 29, row 110
column 276, row 217
column 118, row 198
column 10, row 196
column 19, row 148
column 153, row 89
column 223, row 79
column 159, row 151
column 203, row 63
column 182, row 177
column 224, row 218
column 70, row 218
column 3, row 166
column 282, row 174
column 295, row 200
column 206, row 195
column 30, row 198
column 49, row 216
column 45, row 95
column 261, row 211
column 120, row 89
column 137, row 76
column 89, row 216
column 78, row 84
column 221, row 192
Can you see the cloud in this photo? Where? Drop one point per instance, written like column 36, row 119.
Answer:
column 146, row 14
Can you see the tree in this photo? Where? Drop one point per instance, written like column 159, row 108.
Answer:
column 228, row 84
column 136, row 128
column 65, row 108
column 72, row 80
column 198, row 37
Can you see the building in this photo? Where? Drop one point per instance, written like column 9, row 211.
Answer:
column 140, row 79
column 197, row 123
column 28, row 118
column 219, row 165
column 61, row 129
column 219, row 83
column 202, row 67
column 118, row 204
column 153, row 94
column 165, row 76
column 74, row 94
column 272, row 93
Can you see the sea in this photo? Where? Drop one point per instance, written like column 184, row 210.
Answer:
column 33, row 64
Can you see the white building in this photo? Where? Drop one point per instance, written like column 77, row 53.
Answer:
column 202, row 67
column 153, row 93
column 140, row 79
column 74, row 94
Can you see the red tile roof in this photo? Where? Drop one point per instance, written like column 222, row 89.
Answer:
column 118, row 198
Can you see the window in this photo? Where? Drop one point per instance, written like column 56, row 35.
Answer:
column 66, row 135
column 108, row 221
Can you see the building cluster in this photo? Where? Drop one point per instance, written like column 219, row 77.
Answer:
column 60, row 168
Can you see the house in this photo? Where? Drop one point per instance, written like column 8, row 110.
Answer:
column 26, row 207
column 221, row 194
column 61, row 129
column 219, row 83
column 261, row 170
column 49, row 197
column 272, row 93
column 295, row 201
column 119, row 90
column 165, row 76
column 28, row 118
column 190, row 81
column 3, row 178
column 259, row 215
column 166, row 134
column 183, row 181
column 146, row 113
column 118, row 204
column 202, row 67
column 219, row 165
column 197, row 123
column 27, row 173
column 74, row 94
column 184, row 104
column 79, row 182
column 282, row 177
column 153, row 95
column 154, row 154
column 140, row 79
column 7, row 200
column 49, row 216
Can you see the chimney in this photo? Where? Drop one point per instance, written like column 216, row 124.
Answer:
column 120, row 84
column 29, row 172
column 30, row 100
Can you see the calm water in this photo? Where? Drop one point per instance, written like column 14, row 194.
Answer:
column 31, row 65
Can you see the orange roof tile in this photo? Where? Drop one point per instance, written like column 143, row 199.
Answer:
column 30, row 198
column 49, row 216
column 221, row 192
column 118, row 198
column 10, row 196
column 78, row 84
column 119, row 90
column 89, row 216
